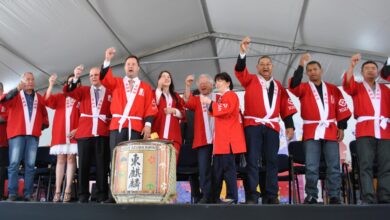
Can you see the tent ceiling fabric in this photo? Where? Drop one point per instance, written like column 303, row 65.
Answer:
column 276, row 19
column 229, row 47
column 351, row 25
column 144, row 25
column 180, row 70
column 47, row 36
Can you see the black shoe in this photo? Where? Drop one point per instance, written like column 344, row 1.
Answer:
column 101, row 199
column 12, row 198
column 366, row 202
column 203, row 200
column 27, row 199
column 334, row 201
column 110, row 200
column 225, row 201
column 272, row 201
column 310, row 200
column 252, row 201
column 83, row 200
column 384, row 202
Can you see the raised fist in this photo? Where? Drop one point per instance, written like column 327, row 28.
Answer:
column 304, row 59
column 189, row 80
column 244, row 45
column 110, row 53
column 21, row 84
column 160, row 83
column 52, row 79
column 355, row 59
column 78, row 70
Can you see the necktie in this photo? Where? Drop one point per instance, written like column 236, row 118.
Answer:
column 270, row 91
column 131, row 84
column 96, row 96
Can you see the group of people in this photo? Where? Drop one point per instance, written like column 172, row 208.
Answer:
column 91, row 120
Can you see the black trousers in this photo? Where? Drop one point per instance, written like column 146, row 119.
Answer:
column 369, row 148
column 262, row 147
column 205, row 154
column 3, row 168
column 224, row 168
column 93, row 151
column 116, row 137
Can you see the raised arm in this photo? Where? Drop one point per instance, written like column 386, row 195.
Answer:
column 240, row 69
column 106, row 76
column 70, row 89
column 295, row 81
column 349, row 81
column 187, row 92
column 52, row 80
column 7, row 99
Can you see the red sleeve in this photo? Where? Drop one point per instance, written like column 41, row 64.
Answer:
column 343, row 111
column 150, row 102
column 45, row 116
column 109, row 93
column 244, row 77
column 385, row 72
column 191, row 103
column 227, row 105
column 76, row 94
column 351, row 88
column 4, row 115
column 51, row 102
column 287, row 107
column 180, row 105
column 110, row 81
column 298, row 90
column 8, row 103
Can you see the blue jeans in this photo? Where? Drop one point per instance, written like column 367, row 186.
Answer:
column 313, row 150
column 22, row 147
column 369, row 148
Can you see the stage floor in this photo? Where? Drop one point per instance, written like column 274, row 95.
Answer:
column 71, row 211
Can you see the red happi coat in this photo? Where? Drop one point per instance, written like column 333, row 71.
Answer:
column 168, row 126
column 18, row 124
column 229, row 132
column 3, row 127
column 85, row 95
column 385, row 70
column 314, row 126
column 64, row 120
column 388, row 78
column 256, row 101
column 364, row 106
column 201, row 118
column 143, row 105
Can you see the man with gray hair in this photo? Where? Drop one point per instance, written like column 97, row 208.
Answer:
column 203, row 132
column 27, row 117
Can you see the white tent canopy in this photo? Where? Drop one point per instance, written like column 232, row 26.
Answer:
column 187, row 36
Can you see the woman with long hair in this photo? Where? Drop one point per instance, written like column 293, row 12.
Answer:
column 170, row 111
column 63, row 144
